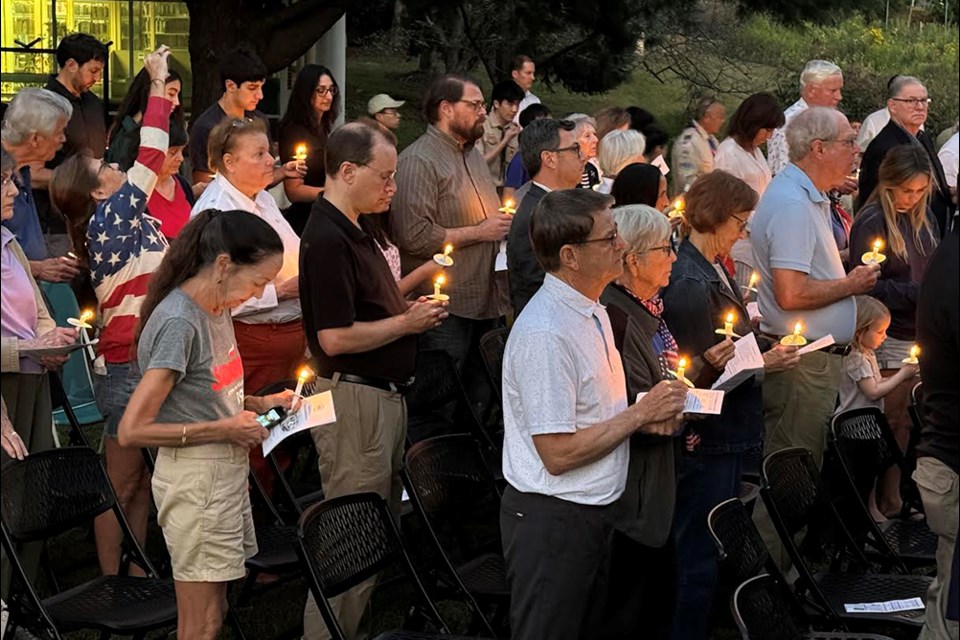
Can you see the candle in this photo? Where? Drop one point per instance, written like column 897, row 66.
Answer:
column 727, row 329
column 83, row 323
column 437, row 283
column 300, row 152
column 914, row 357
column 682, row 365
column 676, row 211
column 302, row 376
column 795, row 339
column 874, row 256
column 754, row 280
column 444, row 259
column 508, row 207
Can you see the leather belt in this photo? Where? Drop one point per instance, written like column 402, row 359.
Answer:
column 377, row 383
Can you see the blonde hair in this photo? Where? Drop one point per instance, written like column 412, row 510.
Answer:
column 869, row 310
column 903, row 163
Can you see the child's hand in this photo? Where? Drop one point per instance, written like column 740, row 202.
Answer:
column 910, row 370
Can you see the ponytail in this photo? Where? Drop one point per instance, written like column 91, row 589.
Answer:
column 245, row 238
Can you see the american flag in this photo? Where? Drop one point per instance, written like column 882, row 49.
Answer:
column 124, row 243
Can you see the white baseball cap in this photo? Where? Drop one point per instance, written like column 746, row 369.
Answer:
column 382, row 101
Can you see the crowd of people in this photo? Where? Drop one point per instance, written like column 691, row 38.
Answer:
column 208, row 288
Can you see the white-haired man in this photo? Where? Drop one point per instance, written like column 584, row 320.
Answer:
column 821, row 85
column 33, row 132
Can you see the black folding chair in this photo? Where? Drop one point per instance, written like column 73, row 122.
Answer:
column 346, row 540
column 58, row 396
column 864, row 450
column 455, row 497
column 794, row 498
column 762, row 613
column 49, row 493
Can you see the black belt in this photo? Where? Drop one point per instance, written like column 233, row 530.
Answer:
column 378, row 383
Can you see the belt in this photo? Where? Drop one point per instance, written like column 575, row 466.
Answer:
column 384, row 385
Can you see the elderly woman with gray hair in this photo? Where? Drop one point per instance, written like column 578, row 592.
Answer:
column 586, row 132
column 617, row 150
column 640, row 600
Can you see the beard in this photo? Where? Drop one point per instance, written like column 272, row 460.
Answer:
column 469, row 132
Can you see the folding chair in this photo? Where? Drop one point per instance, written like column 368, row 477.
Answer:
column 762, row 613
column 792, row 493
column 51, row 492
column 865, row 449
column 456, row 498
column 346, row 540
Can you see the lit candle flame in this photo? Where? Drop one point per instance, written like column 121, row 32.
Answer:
column 86, row 315
column 681, row 367
column 440, row 280
column 798, row 329
column 877, row 245
column 447, row 250
column 304, row 373
column 730, row 317
column 915, row 352
column 300, row 152
column 508, row 207
column 754, row 279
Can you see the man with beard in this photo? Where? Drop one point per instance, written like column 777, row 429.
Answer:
column 445, row 195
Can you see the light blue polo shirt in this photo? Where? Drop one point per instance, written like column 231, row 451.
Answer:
column 791, row 229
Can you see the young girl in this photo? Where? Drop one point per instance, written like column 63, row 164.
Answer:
column 862, row 385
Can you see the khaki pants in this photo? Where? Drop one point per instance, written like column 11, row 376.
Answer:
column 938, row 486
column 361, row 451
column 797, row 407
column 31, row 411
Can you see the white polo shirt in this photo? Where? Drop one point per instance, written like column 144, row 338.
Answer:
column 562, row 372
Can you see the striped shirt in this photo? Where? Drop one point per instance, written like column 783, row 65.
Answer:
column 442, row 185
column 125, row 244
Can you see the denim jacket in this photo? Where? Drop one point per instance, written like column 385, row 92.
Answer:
column 694, row 305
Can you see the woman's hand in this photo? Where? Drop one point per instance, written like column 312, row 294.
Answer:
column 294, row 169
column 10, row 439
column 286, row 400
column 156, row 64
column 781, row 357
column 720, row 354
column 244, row 430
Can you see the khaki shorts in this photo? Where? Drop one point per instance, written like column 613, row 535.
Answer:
column 203, row 507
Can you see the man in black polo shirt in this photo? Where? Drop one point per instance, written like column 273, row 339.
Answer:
column 363, row 335
column 81, row 59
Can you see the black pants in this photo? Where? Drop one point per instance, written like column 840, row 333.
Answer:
column 558, row 556
column 640, row 595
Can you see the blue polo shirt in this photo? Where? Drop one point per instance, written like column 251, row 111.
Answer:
column 25, row 223
column 792, row 229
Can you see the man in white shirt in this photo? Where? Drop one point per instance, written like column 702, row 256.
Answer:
column 821, row 85
column 524, row 73
column 567, row 424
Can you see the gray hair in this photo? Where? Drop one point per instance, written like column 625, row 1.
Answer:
column 703, row 105
column 900, row 83
column 34, row 111
column 641, row 227
column 539, row 136
column 619, row 148
column 816, row 71
column 815, row 123
column 582, row 120
column 7, row 163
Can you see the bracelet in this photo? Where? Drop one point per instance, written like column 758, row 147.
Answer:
column 158, row 81
column 183, row 436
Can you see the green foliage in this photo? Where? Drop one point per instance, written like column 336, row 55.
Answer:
column 868, row 54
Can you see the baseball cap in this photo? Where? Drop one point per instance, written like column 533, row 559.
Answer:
column 382, row 101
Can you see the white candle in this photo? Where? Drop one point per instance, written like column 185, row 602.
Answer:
column 302, row 377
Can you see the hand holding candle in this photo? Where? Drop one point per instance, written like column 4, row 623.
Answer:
column 439, row 281
column 444, row 259
column 83, row 323
column 914, row 357
column 727, row 329
column 795, row 339
column 508, row 207
column 874, row 256
column 679, row 374
column 300, row 152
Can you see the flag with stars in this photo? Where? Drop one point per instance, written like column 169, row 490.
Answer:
column 124, row 243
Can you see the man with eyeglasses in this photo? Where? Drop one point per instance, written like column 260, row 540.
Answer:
column 567, row 425
column 802, row 280
column 445, row 195
column 363, row 334
column 909, row 105
column 551, row 154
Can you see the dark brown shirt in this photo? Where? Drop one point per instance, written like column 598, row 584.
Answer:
column 443, row 185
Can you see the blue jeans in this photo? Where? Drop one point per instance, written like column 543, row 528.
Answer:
column 112, row 393
column 703, row 481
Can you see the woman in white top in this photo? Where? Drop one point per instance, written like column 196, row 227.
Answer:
column 268, row 329
column 739, row 154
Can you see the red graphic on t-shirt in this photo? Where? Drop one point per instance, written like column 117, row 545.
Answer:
column 229, row 373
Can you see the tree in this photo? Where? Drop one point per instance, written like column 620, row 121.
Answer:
column 280, row 30
column 586, row 45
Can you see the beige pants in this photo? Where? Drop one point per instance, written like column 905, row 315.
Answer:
column 797, row 407
column 938, row 486
column 361, row 451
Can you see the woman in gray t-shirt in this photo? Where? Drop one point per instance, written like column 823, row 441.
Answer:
column 190, row 404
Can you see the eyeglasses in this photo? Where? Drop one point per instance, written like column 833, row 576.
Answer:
column 385, row 176
column 323, row 91
column 611, row 240
column 741, row 222
column 574, row 147
column 390, row 112
column 236, row 123
column 922, row 103
column 667, row 248
column 7, row 181
column 847, row 142
column 477, row 105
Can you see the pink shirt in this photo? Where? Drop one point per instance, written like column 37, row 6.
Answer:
column 17, row 301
